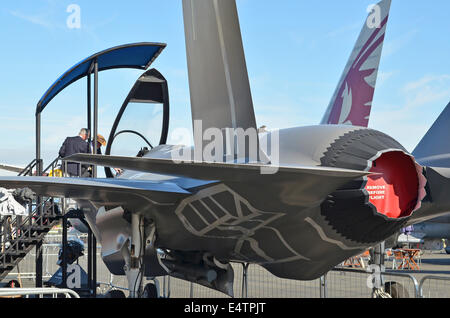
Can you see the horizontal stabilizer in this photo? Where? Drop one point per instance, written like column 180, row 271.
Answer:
column 213, row 171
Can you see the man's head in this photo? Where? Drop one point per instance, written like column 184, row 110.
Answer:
column 84, row 133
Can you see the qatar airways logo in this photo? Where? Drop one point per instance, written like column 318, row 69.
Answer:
column 354, row 97
column 230, row 145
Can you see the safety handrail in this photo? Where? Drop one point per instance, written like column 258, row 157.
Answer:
column 28, row 170
column 429, row 277
column 52, row 165
column 14, row 224
column 5, row 292
column 34, row 214
column 388, row 273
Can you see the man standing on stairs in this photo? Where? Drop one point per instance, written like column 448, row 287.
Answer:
column 74, row 145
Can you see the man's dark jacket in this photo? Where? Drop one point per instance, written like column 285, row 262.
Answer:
column 73, row 145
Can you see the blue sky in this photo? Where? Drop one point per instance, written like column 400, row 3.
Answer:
column 295, row 51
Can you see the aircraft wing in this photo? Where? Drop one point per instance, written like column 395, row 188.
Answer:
column 11, row 168
column 107, row 191
column 214, row 171
column 133, row 195
column 311, row 184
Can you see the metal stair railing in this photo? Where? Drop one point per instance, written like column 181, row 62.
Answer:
column 51, row 169
column 19, row 236
column 28, row 170
column 39, row 292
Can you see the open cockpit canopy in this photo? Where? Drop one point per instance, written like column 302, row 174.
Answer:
column 136, row 55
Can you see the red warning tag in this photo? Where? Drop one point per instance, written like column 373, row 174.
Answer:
column 394, row 191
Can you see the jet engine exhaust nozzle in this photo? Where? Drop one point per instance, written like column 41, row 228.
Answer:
column 369, row 209
column 397, row 187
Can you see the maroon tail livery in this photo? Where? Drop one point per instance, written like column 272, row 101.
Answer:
column 352, row 101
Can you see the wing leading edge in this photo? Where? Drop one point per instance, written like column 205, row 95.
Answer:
column 110, row 191
column 213, row 170
column 311, row 184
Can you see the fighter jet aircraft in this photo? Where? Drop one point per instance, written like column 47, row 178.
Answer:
column 296, row 201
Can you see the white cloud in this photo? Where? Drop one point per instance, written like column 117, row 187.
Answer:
column 427, row 79
column 423, row 100
column 426, row 90
column 392, row 46
column 383, row 77
column 34, row 19
column 345, row 30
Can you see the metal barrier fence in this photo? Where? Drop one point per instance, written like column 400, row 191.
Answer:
column 434, row 287
column 26, row 275
column 39, row 292
column 339, row 283
column 357, row 284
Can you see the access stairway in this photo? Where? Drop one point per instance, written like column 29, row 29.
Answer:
column 18, row 237
column 18, row 234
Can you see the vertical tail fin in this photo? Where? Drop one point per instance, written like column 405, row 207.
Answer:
column 434, row 148
column 352, row 100
column 218, row 79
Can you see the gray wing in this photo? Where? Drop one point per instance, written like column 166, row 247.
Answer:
column 216, row 171
column 112, row 192
column 312, row 183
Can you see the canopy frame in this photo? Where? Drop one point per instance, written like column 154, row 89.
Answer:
column 94, row 68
